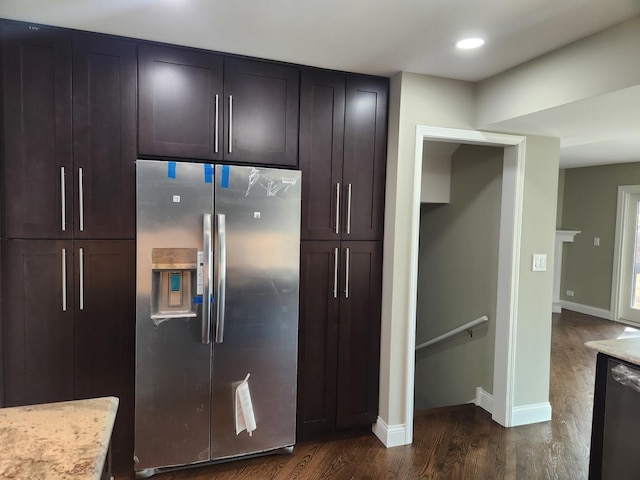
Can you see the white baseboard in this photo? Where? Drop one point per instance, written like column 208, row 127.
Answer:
column 483, row 400
column 556, row 307
column 527, row 414
column 587, row 309
column 390, row 435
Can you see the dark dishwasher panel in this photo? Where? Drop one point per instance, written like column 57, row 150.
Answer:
column 621, row 448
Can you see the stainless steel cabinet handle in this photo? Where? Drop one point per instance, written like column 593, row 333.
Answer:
column 215, row 135
column 230, row 123
column 63, row 199
column 349, row 209
column 81, row 199
column 81, row 265
column 337, row 208
column 346, row 273
column 335, row 272
column 221, row 274
column 206, row 292
column 64, row 279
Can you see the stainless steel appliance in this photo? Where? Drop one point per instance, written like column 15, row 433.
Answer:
column 217, row 312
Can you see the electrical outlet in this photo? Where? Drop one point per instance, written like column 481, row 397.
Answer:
column 596, row 241
column 570, row 293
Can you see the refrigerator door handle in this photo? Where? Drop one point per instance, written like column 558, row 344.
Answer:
column 221, row 275
column 206, row 293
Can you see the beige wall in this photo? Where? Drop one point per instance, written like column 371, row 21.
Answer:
column 590, row 203
column 458, row 281
column 423, row 100
column 414, row 100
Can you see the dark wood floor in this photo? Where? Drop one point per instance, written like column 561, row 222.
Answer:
column 460, row 442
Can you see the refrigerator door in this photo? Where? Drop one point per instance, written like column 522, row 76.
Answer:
column 255, row 324
column 173, row 365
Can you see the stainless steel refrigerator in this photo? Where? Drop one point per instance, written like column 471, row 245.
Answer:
column 217, row 312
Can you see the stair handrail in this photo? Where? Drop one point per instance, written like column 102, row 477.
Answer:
column 455, row 331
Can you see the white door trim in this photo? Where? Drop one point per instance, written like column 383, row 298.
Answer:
column 509, row 255
column 624, row 191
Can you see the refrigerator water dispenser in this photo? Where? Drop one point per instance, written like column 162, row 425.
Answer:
column 174, row 284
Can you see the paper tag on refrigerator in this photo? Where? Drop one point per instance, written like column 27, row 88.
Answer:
column 200, row 274
column 243, row 407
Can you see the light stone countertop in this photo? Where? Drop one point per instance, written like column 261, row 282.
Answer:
column 64, row 440
column 627, row 349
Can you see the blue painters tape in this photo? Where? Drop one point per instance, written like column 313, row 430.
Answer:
column 208, row 173
column 171, row 170
column 197, row 300
column 224, row 181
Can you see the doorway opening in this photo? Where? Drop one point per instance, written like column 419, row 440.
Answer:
column 508, row 258
column 626, row 279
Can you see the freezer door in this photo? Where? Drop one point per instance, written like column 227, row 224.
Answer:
column 173, row 365
column 257, row 250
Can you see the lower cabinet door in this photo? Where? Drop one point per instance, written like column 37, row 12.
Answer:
column 104, row 336
column 359, row 334
column 318, row 337
column 37, row 321
column 339, row 347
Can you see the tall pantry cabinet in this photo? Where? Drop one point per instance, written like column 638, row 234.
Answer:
column 68, row 219
column 343, row 129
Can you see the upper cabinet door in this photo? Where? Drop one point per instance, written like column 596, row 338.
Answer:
column 36, row 81
column 365, row 139
column 180, row 103
column 261, row 102
column 104, row 142
column 322, row 100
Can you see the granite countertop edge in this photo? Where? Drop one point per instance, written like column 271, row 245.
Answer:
column 627, row 349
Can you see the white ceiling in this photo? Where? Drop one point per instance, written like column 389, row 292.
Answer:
column 382, row 37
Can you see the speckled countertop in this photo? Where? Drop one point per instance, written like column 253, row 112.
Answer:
column 64, row 440
column 627, row 349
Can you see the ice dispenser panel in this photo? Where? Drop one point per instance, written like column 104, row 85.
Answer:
column 175, row 286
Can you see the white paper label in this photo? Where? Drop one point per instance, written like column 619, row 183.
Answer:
column 245, row 418
column 200, row 274
column 176, row 199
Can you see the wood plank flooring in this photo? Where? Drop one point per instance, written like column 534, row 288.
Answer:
column 460, row 442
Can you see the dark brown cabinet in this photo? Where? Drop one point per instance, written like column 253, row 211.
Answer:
column 104, row 137
column 204, row 106
column 69, row 325
column 38, row 303
column 68, row 164
column 104, row 331
column 339, row 336
column 37, row 153
column 68, row 256
column 343, row 130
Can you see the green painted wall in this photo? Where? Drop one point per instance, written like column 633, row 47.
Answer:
column 457, row 280
column 589, row 205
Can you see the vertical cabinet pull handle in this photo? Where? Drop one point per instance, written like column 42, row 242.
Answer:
column 81, row 265
column 221, row 274
column 206, row 293
column 63, row 199
column 346, row 271
column 337, row 208
column 349, row 209
column 230, row 123
column 335, row 272
column 81, row 199
column 64, row 279
column 215, row 133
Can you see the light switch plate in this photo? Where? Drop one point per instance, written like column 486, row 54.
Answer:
column 539, row 263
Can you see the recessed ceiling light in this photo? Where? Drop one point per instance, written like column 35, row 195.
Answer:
column 469, row 43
